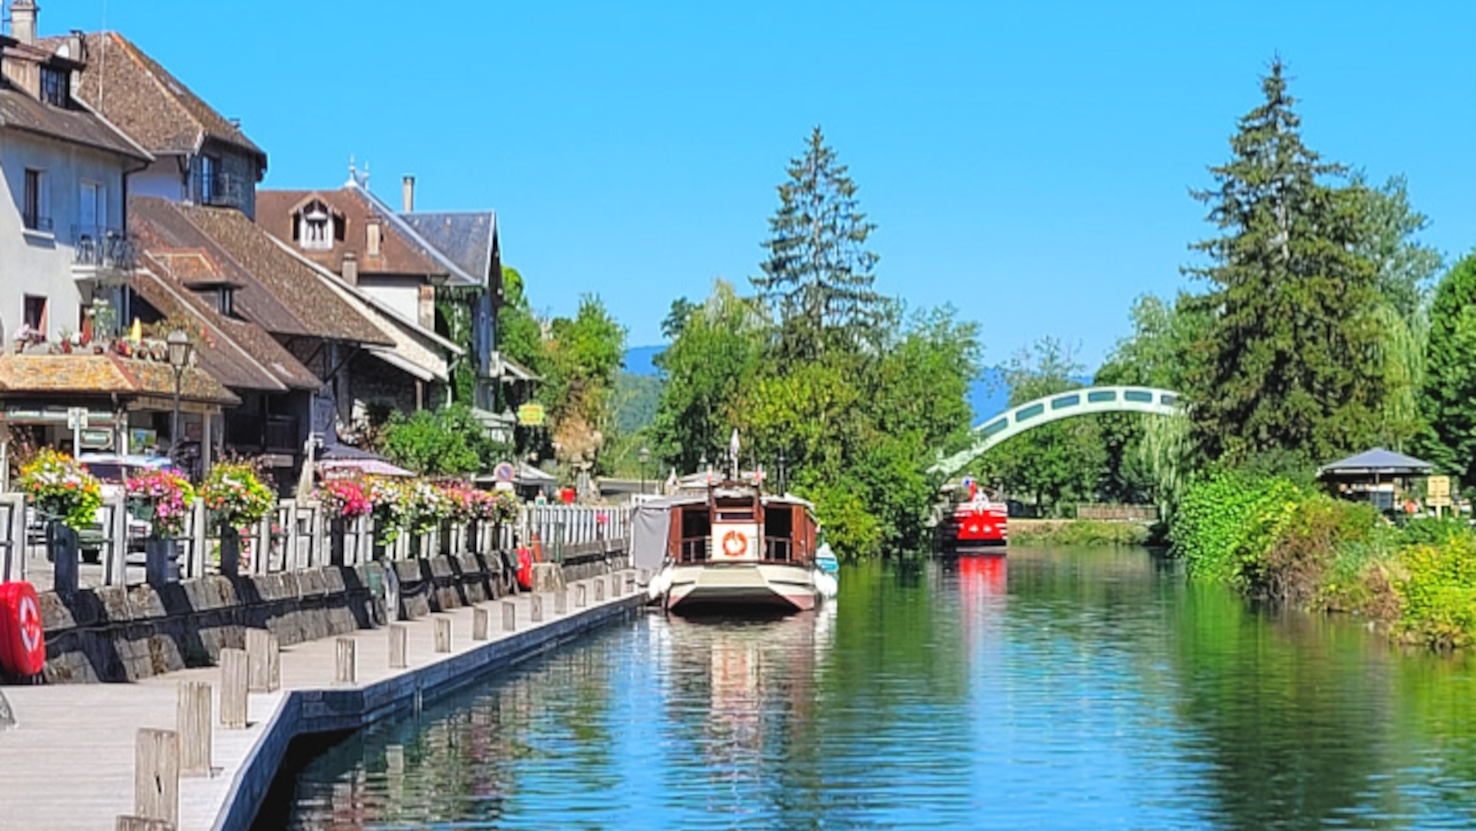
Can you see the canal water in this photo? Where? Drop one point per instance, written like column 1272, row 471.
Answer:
column 1057, row 688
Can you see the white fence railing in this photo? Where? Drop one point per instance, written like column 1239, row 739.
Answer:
column 298, row 535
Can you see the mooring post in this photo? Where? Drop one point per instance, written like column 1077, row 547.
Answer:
column 156, row 775
column 443, row 634
column 479, row 624
column 346, row 668
column 142, row 824
column 561, row 602
column 397, row 641
column 233, row 688
column 192, row 722
column 580, row 596
column 617, row 583
column 599, row 590
column 509, row 616
column 535, row 615
column 263, row 660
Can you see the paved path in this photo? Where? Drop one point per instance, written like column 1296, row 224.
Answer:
column 68, row 764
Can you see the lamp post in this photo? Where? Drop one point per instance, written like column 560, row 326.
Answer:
column 179, row 358
column 645, row 456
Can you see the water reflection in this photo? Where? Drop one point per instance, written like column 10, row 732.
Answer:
column 1049, row 689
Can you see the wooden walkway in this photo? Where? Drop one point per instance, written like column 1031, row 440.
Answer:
column 68, row 763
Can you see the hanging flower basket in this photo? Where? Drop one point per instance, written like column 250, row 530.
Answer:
column 236, row 495
column 345, row 499
column 62, row 489
column 167, row 497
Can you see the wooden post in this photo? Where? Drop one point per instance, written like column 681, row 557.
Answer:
column 479, row 624
column 398, row 659
column 617, row 583
column 142, row 824
column 233, row 686
column 443, row 634
column 509, row 616
column 599, row 590
column 536, row 615
column 156, row 775
column 580, row 596
column 561, row 602
column 346, row 669
column 264, row 661
column 192, row 722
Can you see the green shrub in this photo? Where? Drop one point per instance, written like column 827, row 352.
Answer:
column 1081, row 532
column 1228, row 521
column 1438, row 590
column 1306, row 544
column 1433, row 531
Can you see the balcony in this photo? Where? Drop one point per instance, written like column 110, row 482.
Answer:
column 103, row 256
column 222, row 190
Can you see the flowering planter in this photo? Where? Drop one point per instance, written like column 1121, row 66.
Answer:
column 161, row 561
column 230, row 552
column 61, row 548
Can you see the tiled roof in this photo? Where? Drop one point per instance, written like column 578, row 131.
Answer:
column 398, row 254
column 468, row 239
column 239, row 353
column 145, row 101
column 106, row 375
column 278, row 292
column 19, row 111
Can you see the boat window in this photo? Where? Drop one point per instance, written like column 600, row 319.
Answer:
column 735, row 516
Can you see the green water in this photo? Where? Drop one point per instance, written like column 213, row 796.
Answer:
column 1052, row 689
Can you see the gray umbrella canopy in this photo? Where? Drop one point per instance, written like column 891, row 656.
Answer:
column 1376, row 462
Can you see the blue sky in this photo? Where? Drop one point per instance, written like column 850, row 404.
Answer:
column 1028, row 162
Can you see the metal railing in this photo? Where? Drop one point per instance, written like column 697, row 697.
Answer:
column 102, row 248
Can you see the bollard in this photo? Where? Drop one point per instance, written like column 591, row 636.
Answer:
column 630, row 582
column 397, row 654
column 346, row 669
column 479, row 624
column 192, row 722
column 233, row 681
column 263, row 661
column 443, row 634
column 61, row 546
column 509, row 616
column 156, row 775
column 561, row 602
column 535, row 615
column 616, row 584
column 579, row 596
column 599, row 590
column 142, row 824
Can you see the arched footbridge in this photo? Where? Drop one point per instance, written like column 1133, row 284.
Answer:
column 1078, row 402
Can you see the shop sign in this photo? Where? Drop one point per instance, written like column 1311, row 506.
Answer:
column 531, row 415
column 97, row 439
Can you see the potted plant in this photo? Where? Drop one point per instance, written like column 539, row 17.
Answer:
column 166, row 497
column 236, row 496
column 67, row 498
column 343, row 500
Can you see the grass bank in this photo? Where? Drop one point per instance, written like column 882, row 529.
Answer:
column 1270, row 538
column 1078, row 532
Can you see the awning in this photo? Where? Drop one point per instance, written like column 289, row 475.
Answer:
column 367, row 467
column 400, row 362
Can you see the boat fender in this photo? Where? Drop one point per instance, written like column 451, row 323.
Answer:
column 735, row 543
column 22, row 637
column 525, row 568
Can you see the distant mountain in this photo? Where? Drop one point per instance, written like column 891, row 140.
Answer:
column 639, row 359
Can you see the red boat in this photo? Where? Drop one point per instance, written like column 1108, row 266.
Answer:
column 975, row 525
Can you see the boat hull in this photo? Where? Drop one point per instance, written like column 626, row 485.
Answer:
column 741, row 585
column 975, row 529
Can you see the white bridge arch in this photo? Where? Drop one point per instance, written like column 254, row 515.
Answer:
column 1077, row 402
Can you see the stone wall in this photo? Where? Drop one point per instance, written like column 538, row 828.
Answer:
column 118, row 634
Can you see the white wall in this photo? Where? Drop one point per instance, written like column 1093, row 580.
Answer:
column 40, row 262
column 400, row 294
column 162, row 178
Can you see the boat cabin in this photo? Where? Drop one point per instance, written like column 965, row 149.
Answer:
column 735, row 523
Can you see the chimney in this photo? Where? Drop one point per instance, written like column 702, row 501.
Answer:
column 350, row 269
column 407, row 189
column 23, row 21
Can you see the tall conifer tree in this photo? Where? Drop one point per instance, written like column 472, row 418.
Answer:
column 1290, row 360
column 818, row 274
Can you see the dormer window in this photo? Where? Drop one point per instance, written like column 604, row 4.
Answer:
column 225, row 301
column 316, row 227
column 55, row 86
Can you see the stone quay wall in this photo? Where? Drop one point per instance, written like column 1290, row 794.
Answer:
column 117, row 634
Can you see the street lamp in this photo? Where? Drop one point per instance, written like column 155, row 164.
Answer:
column 179, row 358
column 645, row 456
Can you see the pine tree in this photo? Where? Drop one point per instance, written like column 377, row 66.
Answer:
column 1448, row 400
column 818, row 275
column 1290, row 361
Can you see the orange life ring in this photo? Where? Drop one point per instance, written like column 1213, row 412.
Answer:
column 729, row 540
column 22, row 637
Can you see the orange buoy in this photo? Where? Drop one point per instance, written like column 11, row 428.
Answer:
column 22, row 637
column 735, row 543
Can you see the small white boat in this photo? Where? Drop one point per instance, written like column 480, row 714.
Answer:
column 728, row 544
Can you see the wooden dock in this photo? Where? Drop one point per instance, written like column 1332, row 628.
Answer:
column 69, row 761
